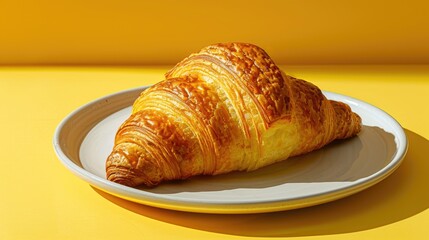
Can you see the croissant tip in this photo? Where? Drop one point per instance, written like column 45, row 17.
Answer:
column 118, row 173
column 128, row 181
column 126, row 177
column 122, row 181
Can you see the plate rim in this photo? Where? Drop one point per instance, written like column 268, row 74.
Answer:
column 176, row 203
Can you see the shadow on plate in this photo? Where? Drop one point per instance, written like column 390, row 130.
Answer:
column 399, row 196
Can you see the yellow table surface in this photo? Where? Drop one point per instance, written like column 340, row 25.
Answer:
column 41, row 199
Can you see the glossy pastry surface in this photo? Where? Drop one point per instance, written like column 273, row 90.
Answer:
column 226, row 108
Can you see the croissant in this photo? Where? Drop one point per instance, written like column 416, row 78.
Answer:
column 226, row 108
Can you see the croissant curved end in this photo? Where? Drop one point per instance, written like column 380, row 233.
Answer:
column 349, row 123
column 124, row 174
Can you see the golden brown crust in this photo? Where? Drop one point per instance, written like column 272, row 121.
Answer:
column 250, row 67
column 226, row 108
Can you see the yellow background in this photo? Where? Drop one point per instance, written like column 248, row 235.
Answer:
column 163, row 32
column 378, row 51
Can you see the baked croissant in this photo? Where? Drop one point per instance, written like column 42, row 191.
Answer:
column 226, row 108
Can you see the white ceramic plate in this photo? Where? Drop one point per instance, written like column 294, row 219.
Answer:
column 84, row 139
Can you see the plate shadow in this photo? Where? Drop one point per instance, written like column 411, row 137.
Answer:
column 400, row 196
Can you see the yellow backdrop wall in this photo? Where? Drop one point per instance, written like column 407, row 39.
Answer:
column 163, row 32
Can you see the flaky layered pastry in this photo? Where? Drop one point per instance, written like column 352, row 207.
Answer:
column 226, row 108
